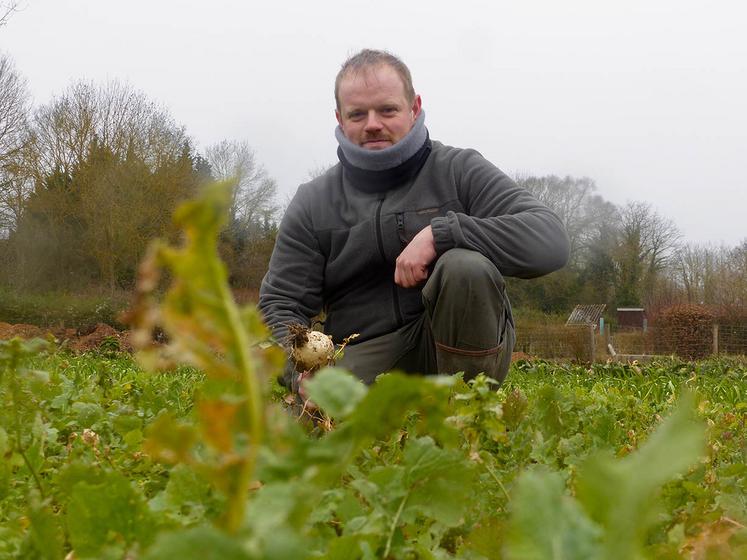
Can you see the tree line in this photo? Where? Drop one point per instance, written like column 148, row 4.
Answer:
column 630, row 256
column 87, row 179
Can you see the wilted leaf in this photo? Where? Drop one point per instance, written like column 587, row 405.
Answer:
column 514, row 408
column 218, row 422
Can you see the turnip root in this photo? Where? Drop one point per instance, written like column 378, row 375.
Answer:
column 310, row 350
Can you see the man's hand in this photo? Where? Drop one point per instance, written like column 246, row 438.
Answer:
column 413, row 261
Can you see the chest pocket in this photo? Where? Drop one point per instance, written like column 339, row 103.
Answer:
column 411, row 222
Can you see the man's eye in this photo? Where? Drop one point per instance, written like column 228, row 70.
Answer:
column 389, row 110
column 355, row 115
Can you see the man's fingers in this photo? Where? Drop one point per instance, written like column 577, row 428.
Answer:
column 409, row 276
column 398, row 277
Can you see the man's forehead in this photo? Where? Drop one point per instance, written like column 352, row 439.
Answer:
column 379, row 76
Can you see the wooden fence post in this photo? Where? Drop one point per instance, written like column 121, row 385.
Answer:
column 593, row 346
column 715, row 339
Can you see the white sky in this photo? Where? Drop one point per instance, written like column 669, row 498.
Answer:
column 647, row 97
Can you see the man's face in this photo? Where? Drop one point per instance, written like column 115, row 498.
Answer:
column 374, row 111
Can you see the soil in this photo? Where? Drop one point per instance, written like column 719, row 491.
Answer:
column 78, row 340
column 91, row 337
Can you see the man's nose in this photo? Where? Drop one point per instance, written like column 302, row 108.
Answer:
column 372, row 121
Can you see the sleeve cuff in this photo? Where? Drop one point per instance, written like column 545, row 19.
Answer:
column 442, row 237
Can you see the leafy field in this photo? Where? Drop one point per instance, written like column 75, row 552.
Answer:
column 552, row 465
column 102, row 460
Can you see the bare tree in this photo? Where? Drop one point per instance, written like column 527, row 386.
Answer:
column 254, row 195
column 714, row 276
column 318, row 171
column 646, row 246
column 6, row 10
column 582, row 212
column 108, row 166
column 14, row 111
column 113, row 115
column 734, row 299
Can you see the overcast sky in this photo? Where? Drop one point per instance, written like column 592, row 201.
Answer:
column 646, row 97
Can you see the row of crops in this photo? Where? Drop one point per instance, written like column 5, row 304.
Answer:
column 561, row 462
column 103, row 460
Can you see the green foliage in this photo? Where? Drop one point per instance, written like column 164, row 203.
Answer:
column 104, row 512
column 561, row 462
column 620, row 495
column 615, row 498
column 336, row 392
column 200, row 543
column 548, row 523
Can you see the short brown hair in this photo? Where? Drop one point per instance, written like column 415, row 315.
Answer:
column 368, row 58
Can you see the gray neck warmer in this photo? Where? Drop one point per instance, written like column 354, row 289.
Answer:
column 379, row 160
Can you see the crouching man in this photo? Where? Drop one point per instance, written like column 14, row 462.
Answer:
column 406, row 241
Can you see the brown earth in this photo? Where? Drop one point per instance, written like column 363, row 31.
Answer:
column 516, row 356
column 78, row 340
column 91, row 338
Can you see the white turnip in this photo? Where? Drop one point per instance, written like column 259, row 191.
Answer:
column 310, row 350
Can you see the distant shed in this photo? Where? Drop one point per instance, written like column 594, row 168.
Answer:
column 586, row 315
column 631, row 318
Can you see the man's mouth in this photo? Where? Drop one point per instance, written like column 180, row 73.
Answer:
column 376, row 143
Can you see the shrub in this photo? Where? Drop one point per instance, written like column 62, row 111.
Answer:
column 685, row 330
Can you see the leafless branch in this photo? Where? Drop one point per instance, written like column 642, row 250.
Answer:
column 6, row 10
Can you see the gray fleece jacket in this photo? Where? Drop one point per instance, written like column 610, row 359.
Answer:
column 338, row 242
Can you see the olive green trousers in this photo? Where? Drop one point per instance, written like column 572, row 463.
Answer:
column 466, row 327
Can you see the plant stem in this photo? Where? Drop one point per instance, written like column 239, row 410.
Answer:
column 19, row 447
column 245, row 365
column 395, row 522
column 497, row 480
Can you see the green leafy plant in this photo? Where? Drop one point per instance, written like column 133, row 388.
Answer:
column 206, row 462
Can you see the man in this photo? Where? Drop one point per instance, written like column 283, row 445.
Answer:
column 406, row 241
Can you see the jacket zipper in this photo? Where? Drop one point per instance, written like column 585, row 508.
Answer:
column 401, row 226
column 380, row 242
column 379, row 237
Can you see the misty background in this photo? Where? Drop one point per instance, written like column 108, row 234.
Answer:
column 645, row 98
column 628, row 121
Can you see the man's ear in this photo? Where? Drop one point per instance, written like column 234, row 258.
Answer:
column 417, row 106
column 338, row 117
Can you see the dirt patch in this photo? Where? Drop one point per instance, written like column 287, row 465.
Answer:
column 78, row 340
column 101, row 334
column 93, row 337
column 516, row 356
column 8, row 331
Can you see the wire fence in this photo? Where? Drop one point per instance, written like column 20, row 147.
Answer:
column 575, row 342
column 585, row 343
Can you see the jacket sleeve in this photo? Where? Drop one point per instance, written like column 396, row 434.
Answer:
column 291, row 291
column 503, row 221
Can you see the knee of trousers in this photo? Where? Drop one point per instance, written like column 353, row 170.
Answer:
column 466, row 302
column 467, row 270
